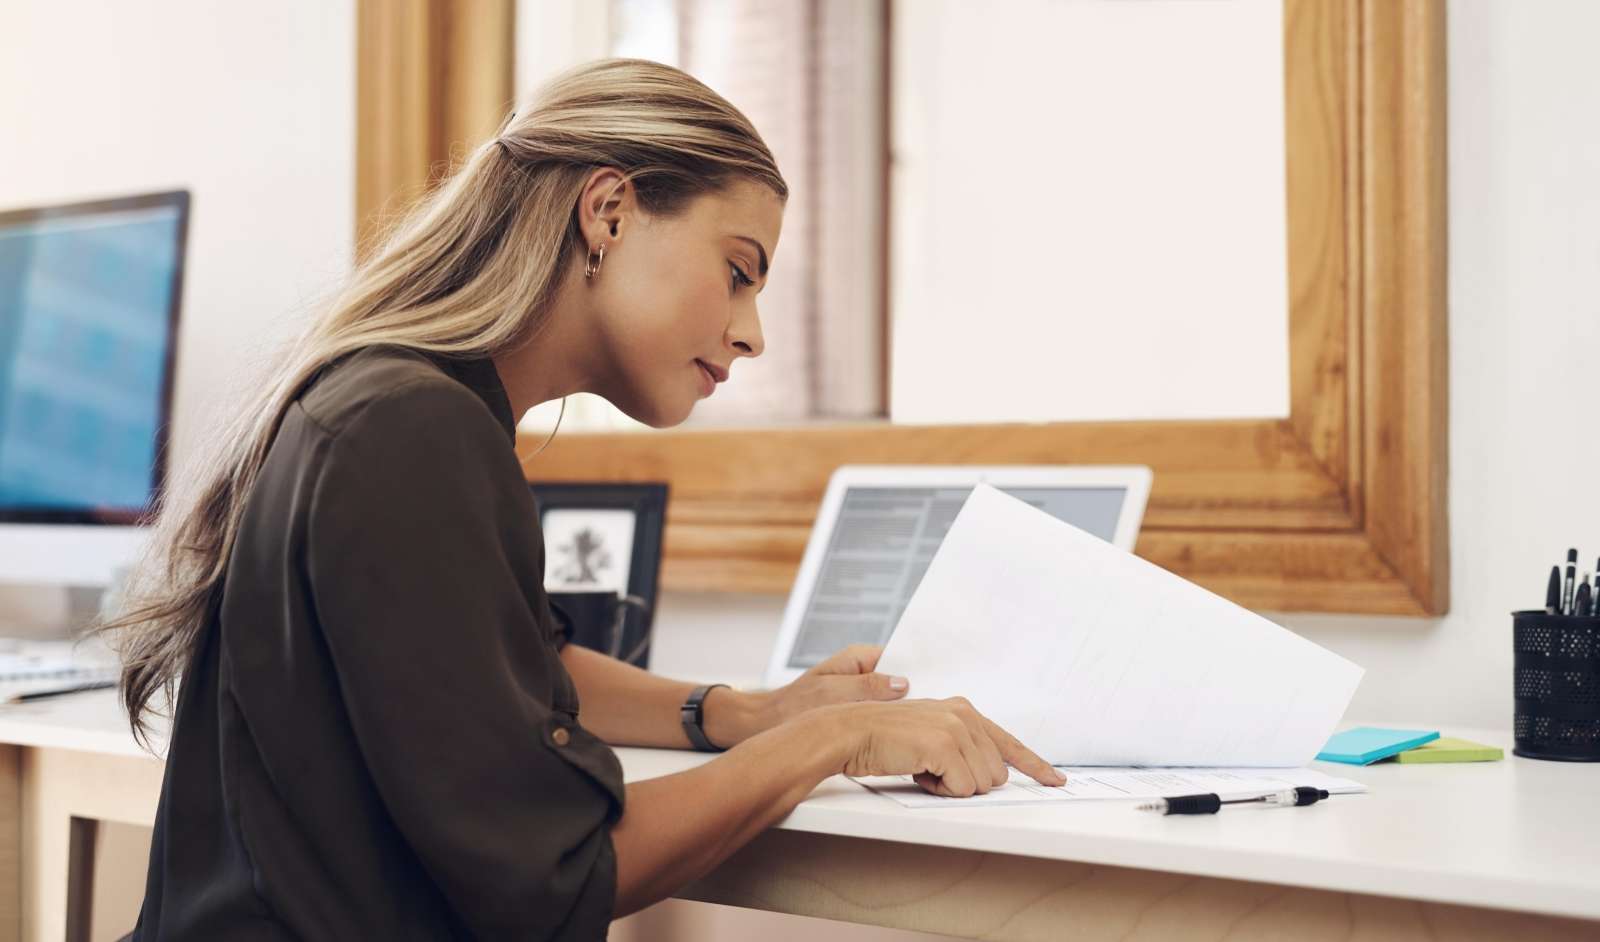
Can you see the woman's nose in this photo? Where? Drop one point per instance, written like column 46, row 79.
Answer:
column 746, row 337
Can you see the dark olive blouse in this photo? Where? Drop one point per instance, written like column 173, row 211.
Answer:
column 376, row 738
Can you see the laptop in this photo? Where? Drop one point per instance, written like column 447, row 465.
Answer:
column 879, row 527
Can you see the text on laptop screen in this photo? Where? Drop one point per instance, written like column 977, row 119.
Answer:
column 881, row 546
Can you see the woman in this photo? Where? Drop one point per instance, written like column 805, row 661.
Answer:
column 377, row 730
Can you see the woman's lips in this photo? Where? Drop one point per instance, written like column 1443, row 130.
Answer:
column 708, row 384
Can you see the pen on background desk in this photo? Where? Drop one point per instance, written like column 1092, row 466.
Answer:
column 60, row 691
column 1570, row 586
column 1211, row 802
column 1552, row 593
column 1583, row 602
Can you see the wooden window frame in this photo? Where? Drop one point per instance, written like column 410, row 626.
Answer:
column 430, row 76
column 1341, row 507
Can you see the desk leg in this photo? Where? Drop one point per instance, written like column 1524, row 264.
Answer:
column 82, row 836
column 975, row 895
column 10, row 843
column 59, row 785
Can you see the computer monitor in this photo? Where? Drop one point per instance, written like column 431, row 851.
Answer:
column 89, row 297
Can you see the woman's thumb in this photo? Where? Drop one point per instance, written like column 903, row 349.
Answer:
column 877, row 686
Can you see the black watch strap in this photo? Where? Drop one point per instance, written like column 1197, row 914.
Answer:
column 693, row 715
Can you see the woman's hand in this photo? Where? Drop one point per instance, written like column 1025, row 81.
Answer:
column 846, row 677
column 948, row 747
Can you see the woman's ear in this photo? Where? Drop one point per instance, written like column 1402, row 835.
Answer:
column 608, row 198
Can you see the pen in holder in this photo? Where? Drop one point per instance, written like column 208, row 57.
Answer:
column 1556, row 682
column 618, row 625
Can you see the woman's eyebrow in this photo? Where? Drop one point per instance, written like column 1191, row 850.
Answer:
column 760, row 249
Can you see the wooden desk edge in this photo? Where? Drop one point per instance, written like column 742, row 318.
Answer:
column 973, row 894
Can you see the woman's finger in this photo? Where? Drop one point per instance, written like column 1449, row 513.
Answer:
column 952, row 784
column 1023, row 758
column 951, row 767
column 978, row 725
column 877, row 686
column 843, row 689
column 855, row 659
column 998, row 773
column 972, row 754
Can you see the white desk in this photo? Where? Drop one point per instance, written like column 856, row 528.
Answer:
column 1470, row 851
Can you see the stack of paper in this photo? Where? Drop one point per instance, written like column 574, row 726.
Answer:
column 1094, row 657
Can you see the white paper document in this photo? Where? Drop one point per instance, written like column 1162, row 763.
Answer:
column 1094, row 657
column 1094, row 783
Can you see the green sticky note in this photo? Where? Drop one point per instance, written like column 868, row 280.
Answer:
column 1449, row 749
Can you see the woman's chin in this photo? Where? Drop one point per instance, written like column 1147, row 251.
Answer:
column 661, row 415
column 677, row 420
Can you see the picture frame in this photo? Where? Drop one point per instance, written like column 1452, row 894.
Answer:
column 603, row 544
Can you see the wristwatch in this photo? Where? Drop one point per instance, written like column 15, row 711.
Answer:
column 693, row 715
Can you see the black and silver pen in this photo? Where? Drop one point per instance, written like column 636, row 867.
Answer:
column 1570, row 586
column 1211, row 803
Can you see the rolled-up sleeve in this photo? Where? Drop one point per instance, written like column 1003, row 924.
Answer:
column 426, row 566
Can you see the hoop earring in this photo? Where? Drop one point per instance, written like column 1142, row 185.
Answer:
column 553, row 432
column 593, row 268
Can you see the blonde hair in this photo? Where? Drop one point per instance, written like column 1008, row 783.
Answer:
column 470, row 272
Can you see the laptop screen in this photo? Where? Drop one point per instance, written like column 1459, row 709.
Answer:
column 882, row 543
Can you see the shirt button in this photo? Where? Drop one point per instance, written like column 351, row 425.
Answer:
column 561, row 736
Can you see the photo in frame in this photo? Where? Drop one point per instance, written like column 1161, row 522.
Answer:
column 603, row 561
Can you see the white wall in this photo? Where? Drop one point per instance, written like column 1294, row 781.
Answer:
column 1524, row 158
column 251, row 106
column 1082, row 203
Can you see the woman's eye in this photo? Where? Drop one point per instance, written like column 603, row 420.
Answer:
column 739, row 278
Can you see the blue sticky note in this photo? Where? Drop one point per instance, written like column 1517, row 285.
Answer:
column 1365, row 745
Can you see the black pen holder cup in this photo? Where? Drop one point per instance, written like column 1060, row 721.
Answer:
column 1556, row 680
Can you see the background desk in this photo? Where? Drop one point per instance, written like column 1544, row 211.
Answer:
column 1475, row 851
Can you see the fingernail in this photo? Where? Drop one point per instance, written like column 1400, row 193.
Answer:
column 898, row 683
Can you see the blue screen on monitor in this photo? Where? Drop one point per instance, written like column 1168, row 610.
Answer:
column 86, row 317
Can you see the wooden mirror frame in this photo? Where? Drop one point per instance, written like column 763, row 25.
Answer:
column 1341, row 507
